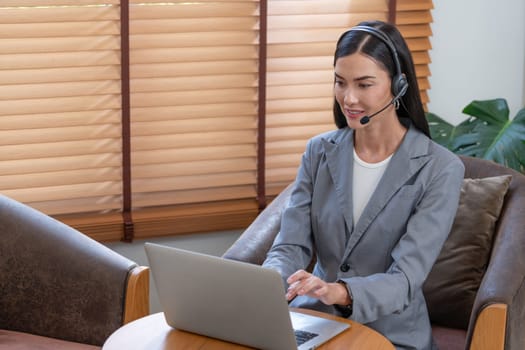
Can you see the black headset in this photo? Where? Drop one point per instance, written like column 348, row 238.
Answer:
column 399, row 81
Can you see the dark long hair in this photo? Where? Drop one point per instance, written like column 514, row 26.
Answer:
column 353, row 41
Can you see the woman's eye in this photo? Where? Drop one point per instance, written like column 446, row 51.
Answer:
column 364, row 85
column 339, row 82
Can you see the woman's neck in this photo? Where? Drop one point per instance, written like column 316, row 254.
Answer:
column 378, row 141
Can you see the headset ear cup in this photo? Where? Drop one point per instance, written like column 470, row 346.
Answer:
column 399, row 85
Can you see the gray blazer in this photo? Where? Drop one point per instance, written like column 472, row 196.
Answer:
column 385, row 257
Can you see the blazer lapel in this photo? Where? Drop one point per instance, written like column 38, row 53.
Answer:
column 405, row 162
column 338, row 151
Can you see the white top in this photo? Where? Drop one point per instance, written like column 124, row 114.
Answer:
column 366, row 178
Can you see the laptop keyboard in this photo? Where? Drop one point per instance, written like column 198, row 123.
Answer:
column 302, row 337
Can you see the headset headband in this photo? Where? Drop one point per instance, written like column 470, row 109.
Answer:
column 399, row 82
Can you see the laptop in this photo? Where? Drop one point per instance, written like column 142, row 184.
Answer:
column 233, row 301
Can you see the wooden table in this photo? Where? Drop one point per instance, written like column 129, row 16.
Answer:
column 153, row 333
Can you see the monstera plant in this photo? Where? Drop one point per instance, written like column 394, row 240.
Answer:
column 488, row 133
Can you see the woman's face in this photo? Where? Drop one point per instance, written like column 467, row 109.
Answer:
column 362, row 87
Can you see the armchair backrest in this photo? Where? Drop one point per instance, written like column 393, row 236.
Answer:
column 504, row 279
column 55, row 281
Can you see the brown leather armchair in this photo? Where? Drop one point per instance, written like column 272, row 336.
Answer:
column 497, row 319
column 59, row 289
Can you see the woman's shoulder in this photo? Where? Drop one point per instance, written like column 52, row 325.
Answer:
column 445, row 161
column 419, row 144
column 436, row 157
column 443, row 154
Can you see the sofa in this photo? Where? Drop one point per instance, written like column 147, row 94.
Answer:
column 59, row 289
column 476, row 290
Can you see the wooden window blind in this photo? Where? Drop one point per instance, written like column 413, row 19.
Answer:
column 194, row 70
column 60, row 105
column 193, row 91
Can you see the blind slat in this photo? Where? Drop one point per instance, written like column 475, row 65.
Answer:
column 193, row 182
column 190, row 112
column 193, row 126
column 59, row 60
column 156, row 199
column 337, row 20
column 276, row 120
column 53, row 75
column 202, row 54
column 163, row 98
column 197, row 139
column 65, row 89
column 411, row 5
column 193, row 39
column 66, row 192
column 193, row 68
column 36, row 121
column 143, row 26
column 197, row 10
column 209, row 167
column 30, row 151
column 326, row 6
column 44, row 30
column 69, row 43
column 59, row 104
column 74, row 133
column 44, row 3
column 47, row 165
column 298, row 105
column 36, row 13
column 301, row 132
column 194, row 154
column 59, row 178
column 310, row 78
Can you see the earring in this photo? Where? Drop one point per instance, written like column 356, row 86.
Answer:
column 396, row 104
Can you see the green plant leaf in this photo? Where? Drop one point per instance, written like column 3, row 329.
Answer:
column 490, row 111
column 496, row 138
column 445, row 133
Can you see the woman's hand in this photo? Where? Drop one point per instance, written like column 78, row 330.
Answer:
column 304, row 283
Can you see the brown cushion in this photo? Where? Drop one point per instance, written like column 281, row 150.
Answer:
column 451, row 286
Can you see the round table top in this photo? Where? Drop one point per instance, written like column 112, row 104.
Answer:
column 153, row 333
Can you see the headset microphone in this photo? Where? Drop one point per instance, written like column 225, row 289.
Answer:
column 367, row 118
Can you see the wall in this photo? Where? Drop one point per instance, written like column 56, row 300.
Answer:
column 478, row 53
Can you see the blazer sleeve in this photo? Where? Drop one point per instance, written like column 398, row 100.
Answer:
column 293, row 246
column 382, row 294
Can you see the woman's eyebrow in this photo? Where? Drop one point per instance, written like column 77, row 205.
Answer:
column 364, row 77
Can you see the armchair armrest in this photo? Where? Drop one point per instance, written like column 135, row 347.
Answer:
column 137, row 294
column 489, row 331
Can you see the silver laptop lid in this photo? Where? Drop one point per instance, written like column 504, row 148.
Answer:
column 195, row 291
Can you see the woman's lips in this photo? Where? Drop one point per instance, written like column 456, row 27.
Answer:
column 352, row 113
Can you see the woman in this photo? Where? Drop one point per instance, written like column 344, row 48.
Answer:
column 374, row 200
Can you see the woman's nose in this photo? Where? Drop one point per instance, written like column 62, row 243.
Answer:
column 350, row 97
